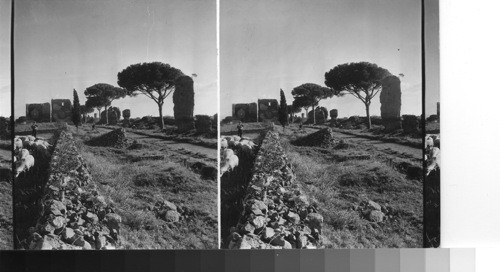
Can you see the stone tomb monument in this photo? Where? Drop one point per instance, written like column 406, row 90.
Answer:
column 38, row 112
column 184, row 103
column 61, row 110
column 390, row 100
column 245, row 112
column 268, row 110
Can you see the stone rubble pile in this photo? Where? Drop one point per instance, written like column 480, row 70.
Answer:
column 116, row 138
column 73, row 215
column 320, row 138
column 276, row 214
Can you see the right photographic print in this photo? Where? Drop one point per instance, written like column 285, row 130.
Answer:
column 323, row 124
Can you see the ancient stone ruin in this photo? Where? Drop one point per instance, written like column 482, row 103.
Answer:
column 113, row 116
column 276, row 213
column 268, row 110
column 334, row 114
column 61, row 110
column 72, row 213
column 390, row 99
column 126, row 117
column 203, row 123
column 322, row 138
column 438, row 110
column 183, row 98
column 116, row 138
column 38, row 112
column 321, row 115
column 126, row 114
column 245, row 112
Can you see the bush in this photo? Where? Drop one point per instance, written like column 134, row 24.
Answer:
column 228, row 120
column 410, row 124
column 5, row 128
column 21, row 120
column 432, row 118
column 376, row 120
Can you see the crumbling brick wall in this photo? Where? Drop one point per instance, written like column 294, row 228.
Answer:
column 276, row 213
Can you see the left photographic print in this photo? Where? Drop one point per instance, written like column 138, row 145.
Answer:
column 115, row 124
column 6, row 225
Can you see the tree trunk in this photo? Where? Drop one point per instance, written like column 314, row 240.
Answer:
column 160, row 111
column 367, row 106
column 106, row 112
column 314, row 116
column 99, row 110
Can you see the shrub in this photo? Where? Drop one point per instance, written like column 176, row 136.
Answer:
column 410, row 124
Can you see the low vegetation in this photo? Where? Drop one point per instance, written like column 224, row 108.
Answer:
column 345, row 177
column 141, row 179
column 6, row 229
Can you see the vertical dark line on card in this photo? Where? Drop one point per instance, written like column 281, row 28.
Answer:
column 423, row 127
column 12, row 132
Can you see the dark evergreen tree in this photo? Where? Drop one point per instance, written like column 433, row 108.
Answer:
column 283, row 111
column 76, row 115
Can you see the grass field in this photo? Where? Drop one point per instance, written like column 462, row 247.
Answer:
column 6, row 223
column 342, row 178
column 135, row 180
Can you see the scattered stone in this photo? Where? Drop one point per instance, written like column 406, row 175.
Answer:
column 268, row 233
column 315, row 220
column 248, row 242
column 248, row 228
column 374, row 205
column 169, row 205
column 58, row 222
column 259, row 222
column 57, row 207
column 113, row 221
column 287, row 245
column 278, row 240
column 86, row 245
column 68, row 234
column 92, row 218
column 293, row 217
column 172, row 216
column 49, row 242
column 376, row 216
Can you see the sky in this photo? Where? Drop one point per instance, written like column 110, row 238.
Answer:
column 61, row 45
column 432, row 67
column 280, row 44
column 5, row 86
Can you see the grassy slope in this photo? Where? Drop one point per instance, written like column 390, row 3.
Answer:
column 136, row 186
column 339, row 184
column 6, row 224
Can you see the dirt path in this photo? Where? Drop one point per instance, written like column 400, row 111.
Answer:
column 209, row 153
column 386, row 147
